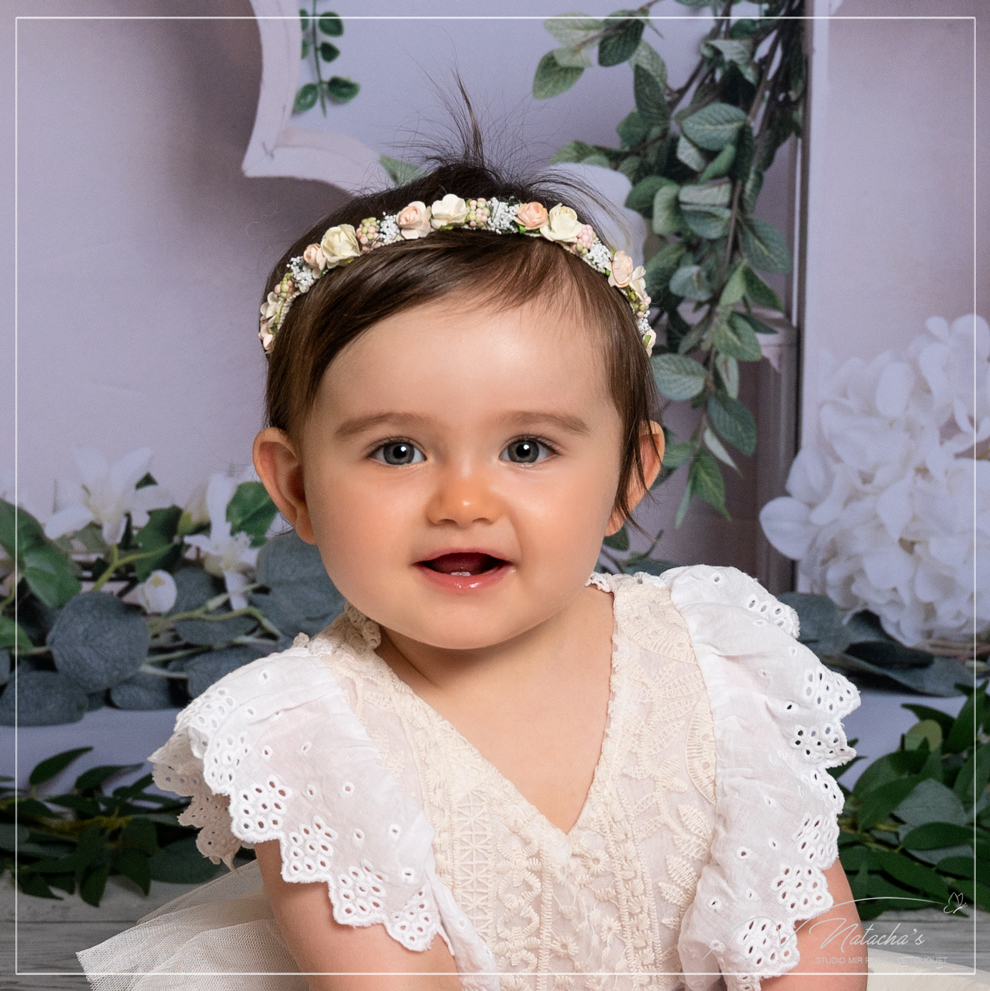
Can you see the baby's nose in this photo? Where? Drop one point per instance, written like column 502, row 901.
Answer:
column 464, row 496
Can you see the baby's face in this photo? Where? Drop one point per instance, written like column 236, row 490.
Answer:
column 460, row 466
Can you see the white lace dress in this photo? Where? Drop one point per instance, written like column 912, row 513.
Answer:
column 702, row 840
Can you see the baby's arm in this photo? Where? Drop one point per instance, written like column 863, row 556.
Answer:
column 319, row 943
column 830, row 961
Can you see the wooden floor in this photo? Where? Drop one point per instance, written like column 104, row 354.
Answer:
column 49, row 933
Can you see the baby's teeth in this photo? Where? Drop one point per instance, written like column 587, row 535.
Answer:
column 462, row 574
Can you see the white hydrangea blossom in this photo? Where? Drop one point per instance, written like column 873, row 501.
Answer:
column 891, row 512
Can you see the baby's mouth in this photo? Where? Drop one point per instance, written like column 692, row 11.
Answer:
column 464, row 565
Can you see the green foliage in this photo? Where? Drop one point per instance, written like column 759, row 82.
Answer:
column 400, row 172
column 863, row 651
column 695, row 157
column 78, row 840
column 316, row 28
column 911, row 833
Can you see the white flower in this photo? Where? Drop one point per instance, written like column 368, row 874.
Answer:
column 227, row 554
column 882, row 514
column 451, row 210
column 562, row 224
column 107, row 495
column 156, row 594
column 339, row 245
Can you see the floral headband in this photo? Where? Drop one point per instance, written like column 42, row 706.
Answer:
column 342, row 244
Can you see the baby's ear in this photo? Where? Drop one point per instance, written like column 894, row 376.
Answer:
column 280, row 471
column 651, row 446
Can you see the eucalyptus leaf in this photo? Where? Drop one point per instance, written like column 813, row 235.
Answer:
column 820, row 623
column 205, row 669
column 44, row 698
column 145, row 691
column 97, row 641
column 552, row 78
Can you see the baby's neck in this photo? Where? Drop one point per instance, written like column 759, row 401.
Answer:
column 537, row 657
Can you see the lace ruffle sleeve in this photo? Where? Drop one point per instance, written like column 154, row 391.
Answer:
column 777, row 714
column 272, row 751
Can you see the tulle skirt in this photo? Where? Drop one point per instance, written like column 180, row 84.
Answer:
column 222, row 936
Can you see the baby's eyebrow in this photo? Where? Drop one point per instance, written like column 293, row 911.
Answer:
column 518, row 418
column 566, row 421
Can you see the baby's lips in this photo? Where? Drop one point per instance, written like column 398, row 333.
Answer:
column 463, row 562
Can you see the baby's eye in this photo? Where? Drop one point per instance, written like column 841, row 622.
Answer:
column 398, row 452
column 525, row 451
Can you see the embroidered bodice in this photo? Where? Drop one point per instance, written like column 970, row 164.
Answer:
column 701, row 842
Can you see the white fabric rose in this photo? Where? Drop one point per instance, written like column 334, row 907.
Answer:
column 881, row 515
column 562, row 224
column 451, row 210
column 340, row 245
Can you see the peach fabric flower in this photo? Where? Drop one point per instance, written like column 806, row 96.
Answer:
column 340, row 245
column 532, row 216
column 414, row 220
column 314, row 257
column 622, row 270
column 562, row 224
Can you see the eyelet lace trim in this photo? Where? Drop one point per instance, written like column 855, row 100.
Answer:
column 375, row 855
column 783, row 735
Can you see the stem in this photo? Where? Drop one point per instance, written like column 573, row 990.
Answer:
column 116, row 562
column 316, row 60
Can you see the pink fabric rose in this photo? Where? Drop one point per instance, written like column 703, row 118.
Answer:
column 622, row 270
column 532, row 216
column 414, row 220
column 314, row 257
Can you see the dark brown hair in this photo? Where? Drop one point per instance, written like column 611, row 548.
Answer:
column 496, row 269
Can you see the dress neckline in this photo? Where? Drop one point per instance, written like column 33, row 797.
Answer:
column 371, row 635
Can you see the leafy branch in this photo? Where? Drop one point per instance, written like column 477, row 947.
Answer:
column 317, row 29
column 696, row 173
